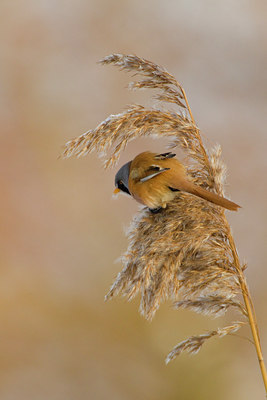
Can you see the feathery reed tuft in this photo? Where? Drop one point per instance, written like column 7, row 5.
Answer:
column 185, row 253
column 193, row 344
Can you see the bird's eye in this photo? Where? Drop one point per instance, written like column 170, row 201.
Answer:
column 120, row 184
column 122, row 187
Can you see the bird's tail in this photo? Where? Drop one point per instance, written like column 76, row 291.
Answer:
column 209, row 196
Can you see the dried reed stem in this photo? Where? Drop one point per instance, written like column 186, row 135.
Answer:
column 244, row 289
column 186, row 253
column 250, row 310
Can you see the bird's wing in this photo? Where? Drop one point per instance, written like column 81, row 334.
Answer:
column 164, row 156
column 153, row 171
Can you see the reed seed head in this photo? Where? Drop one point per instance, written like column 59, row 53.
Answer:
column 183, row 253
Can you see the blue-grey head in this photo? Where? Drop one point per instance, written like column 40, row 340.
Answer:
column 121, row 179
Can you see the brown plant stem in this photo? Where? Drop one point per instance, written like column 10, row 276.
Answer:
column 250, row 310
column 187, row 105
column 244, row 287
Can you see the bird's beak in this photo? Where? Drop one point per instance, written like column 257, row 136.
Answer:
column 117, row 190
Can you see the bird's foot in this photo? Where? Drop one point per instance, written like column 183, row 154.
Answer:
column 155, row 210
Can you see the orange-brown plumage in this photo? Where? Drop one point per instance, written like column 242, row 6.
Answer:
column 154, row 179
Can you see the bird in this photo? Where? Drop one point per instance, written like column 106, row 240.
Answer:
column 155, row 179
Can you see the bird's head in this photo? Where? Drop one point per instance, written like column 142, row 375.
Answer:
column 121, row 179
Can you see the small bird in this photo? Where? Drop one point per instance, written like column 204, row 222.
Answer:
column 154, row 180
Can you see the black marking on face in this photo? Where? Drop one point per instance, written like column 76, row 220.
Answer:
column 122, row 187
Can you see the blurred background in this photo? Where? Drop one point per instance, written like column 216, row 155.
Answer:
column 61, row 229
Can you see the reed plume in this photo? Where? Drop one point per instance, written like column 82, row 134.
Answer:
column 186, row 253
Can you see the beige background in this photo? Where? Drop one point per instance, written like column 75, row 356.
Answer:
column 61, row 229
